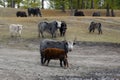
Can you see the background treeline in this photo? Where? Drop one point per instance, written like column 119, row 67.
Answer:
column 109, row 5
column 63, row 4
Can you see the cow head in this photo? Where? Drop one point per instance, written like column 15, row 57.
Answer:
column 69, row 45
column 59, row 24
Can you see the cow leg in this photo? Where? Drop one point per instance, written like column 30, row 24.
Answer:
column 66, row 62
column 100, row 31
column 42, row 58
column 61, row 62
column 90, row 30
column 38, row 34
column 48, row 62
column 42, row 34
column 44, row 61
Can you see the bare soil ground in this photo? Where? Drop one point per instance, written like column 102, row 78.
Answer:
column 88, row 61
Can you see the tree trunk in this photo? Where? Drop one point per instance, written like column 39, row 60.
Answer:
column 82, row 5
column 112, row 13
column 92, row 4
column 78, row 4
column 107, row 10
column 42, row 4
column 12, row 4
column 63, row 6
column 71, row 7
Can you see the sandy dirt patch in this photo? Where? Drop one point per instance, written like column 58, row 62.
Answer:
column 87, row 62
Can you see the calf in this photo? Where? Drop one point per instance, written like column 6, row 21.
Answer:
column 55, row 53
column 63, row 28
column 15, row 29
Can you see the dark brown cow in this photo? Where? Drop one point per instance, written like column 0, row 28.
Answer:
column 55, row 53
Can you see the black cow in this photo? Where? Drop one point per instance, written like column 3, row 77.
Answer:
column 94, row 26
column 78, row 13
column 49, row 43
column 21, row 14
column 34, row 12
column 96, row 14
column 63, row 28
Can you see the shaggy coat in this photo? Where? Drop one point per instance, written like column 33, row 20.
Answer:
column 94, row 26
column 21, row 14
column 15, row 30
column 55, row 53
column 50, row 27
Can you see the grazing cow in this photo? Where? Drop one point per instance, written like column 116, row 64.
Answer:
column 15, row 29
column 55, row 53
column 48, row 43
column 96, row 14
column 63, row 28
column 94, row 26
column 34, row 12
column 50, row 27
column 78, row 13
column 21, row 14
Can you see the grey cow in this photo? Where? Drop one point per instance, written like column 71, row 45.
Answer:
column 50, row 27
column 49, row 43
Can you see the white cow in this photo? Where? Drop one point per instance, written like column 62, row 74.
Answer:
column 15, row 30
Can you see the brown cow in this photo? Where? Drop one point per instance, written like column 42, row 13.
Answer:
column 55, row 53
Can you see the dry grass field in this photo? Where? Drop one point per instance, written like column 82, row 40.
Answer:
column 94, row 57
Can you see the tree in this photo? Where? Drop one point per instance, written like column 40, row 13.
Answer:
column 92, row 4
column 110, row 5
column 42, row 4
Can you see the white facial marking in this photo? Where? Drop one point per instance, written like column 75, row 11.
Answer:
column 59, row 23
column 70, row 45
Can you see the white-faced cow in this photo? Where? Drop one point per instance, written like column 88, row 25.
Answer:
column 52, row 27
column 49, row 43
column 15, row 30
column 49, row 27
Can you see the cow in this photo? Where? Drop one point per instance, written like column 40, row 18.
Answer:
column 96, row 14
column 49, row 27
column 78, row 13
column 49, row 43
column 55, row 53
column 34, row 12
column 63, row 28
column 21, row 14
column 15, row 30
column 93, row 26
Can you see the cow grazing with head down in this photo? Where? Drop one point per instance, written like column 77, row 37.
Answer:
column 15, row 30
column 55, row 53
column 96, row 14
column 34, row 12
column 49, row 43
column 50, row 27
column 78, row 13
column 93, row 26
column 21, row 14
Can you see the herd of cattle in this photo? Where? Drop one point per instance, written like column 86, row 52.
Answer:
column 30, row 11
column 52, row 49
column 37, row 12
